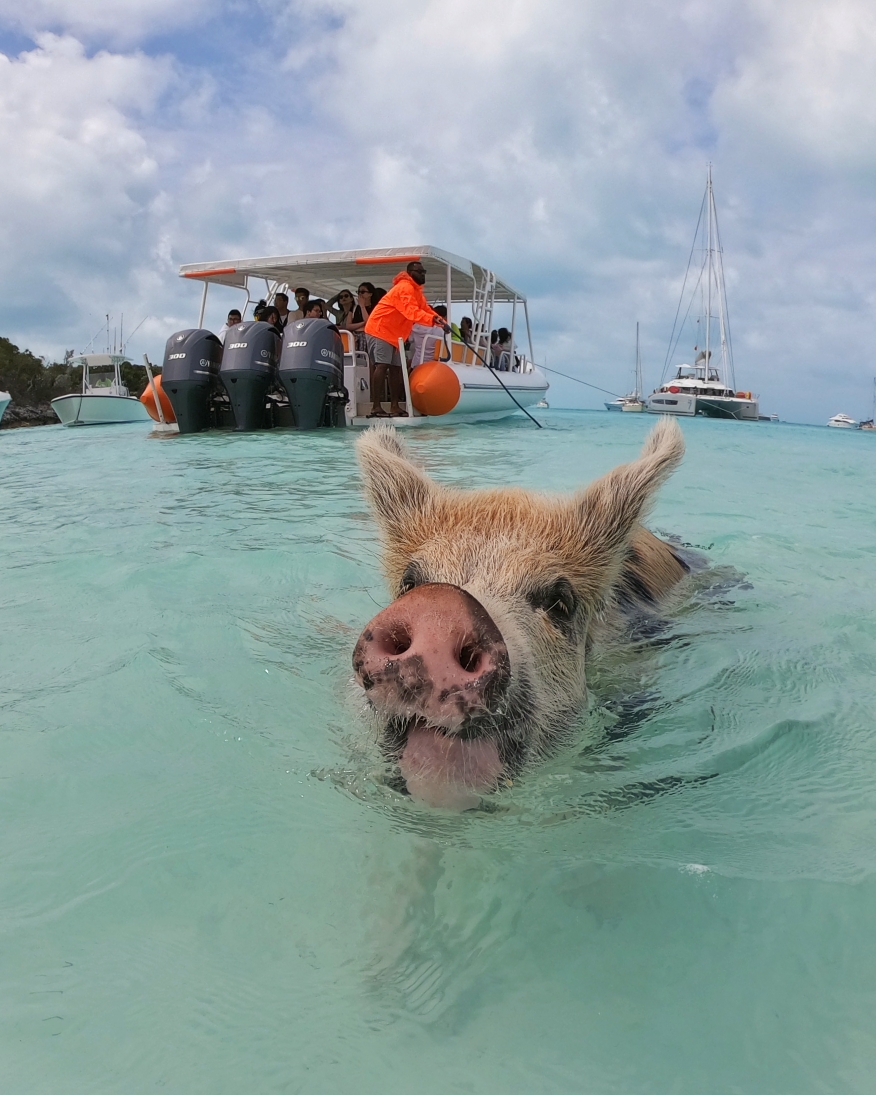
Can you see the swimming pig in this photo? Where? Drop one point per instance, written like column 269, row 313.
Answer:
column 478, row 666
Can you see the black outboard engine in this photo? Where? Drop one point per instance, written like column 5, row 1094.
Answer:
column 249, row 370
column 188, row 376
column 312, row 372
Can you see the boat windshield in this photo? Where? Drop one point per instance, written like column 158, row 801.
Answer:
column 102, row 377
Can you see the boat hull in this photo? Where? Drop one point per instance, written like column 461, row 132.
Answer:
column 683, row 403
column 742, row 410
column 5, row 400
column 671, row 403
column 481, row 396
column 98, row 410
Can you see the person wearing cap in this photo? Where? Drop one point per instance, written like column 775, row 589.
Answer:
column 392, row 318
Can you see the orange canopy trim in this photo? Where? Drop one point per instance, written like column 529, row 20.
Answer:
column 210, row 273
column 387, row 260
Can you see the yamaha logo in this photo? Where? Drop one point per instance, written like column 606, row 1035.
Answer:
column 329, row 353
column 264, row 353
column 180, row 338
column 204, row 361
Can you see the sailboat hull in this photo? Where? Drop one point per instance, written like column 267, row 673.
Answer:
column 742, row 410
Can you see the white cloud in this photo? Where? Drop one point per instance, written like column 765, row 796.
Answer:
column 565, row 143
column 118, row 21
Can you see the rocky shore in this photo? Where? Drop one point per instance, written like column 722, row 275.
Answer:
column 22, row 414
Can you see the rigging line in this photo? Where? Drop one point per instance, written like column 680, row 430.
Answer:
column 674, row 347
column 683, row 286
column 496, row 375
column 577, row 380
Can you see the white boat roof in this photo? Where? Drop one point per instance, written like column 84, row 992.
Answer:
column 327, row 272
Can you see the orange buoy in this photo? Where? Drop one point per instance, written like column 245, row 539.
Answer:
column 148, row 401
column 435, row 388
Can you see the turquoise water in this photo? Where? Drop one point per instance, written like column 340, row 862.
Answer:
column 205, row 887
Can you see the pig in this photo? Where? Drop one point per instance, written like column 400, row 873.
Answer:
column 476, row 669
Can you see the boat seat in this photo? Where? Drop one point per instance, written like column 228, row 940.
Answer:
column 353, row 356
column 460, row 353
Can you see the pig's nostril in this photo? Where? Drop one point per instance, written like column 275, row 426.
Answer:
column 469, row 656
column 395, row 641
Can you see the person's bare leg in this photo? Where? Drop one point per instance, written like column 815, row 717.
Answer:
column 396, row 390
column 378, row 381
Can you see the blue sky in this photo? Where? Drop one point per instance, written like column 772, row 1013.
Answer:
column 563, row 143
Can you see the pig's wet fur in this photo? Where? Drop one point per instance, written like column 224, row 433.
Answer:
column 545, row 580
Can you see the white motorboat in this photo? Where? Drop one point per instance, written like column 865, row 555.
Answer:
column 104, row 399
column 445, row 382
column 842, row 422
column 633, row 401
column 5, row 399
column 708, row 386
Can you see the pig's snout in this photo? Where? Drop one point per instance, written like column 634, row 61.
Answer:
column 434, row 654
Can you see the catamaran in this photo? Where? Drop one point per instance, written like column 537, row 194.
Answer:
column 315, row 374
column 633, row 401
column 707, row 387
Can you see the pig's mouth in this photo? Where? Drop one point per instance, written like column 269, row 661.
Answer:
column 450, row 769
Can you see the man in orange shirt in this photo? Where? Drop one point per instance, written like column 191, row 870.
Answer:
column 392, row 318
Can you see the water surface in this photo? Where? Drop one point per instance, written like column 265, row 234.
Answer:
column 206, row 888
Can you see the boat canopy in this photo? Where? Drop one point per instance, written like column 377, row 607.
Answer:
column 326, row 273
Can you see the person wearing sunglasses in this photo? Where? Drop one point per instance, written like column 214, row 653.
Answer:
column 342, row 306
column 392, row 318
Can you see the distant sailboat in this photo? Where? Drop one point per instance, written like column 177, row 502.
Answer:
column 705, row 387
column 633, row 401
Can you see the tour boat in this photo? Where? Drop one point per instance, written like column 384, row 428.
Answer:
column 633, row 401
column 104, row 400
column 5, row 398
column 708, row 386
column 842, row 422
column 314, row 374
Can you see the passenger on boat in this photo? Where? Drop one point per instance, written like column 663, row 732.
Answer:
column 423, row 338
column 282, row 302
column 232, row 321
column 463, row 332
column 501, row 346
column 365, row 297
column 342, row 306
column 391, row 319
column 315, row 309
column 302, row 296
column 270, row 314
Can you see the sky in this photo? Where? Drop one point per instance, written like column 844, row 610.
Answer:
column 563, row 143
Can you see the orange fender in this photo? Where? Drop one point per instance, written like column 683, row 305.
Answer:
column 148, row 401
column 435, row 388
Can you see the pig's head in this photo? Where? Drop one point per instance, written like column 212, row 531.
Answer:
column 478, row 665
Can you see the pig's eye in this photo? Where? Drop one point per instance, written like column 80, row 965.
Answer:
column 557, row 601
column 412, row 577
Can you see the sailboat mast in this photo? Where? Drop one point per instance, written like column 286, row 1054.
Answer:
column 709, row 201
column 638, row 365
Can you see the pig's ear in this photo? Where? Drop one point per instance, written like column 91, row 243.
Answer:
column 611, row 508
column 397, row 489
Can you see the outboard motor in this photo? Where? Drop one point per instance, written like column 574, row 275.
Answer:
column 188, row 377
column 312, row 372
column 249, row 370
